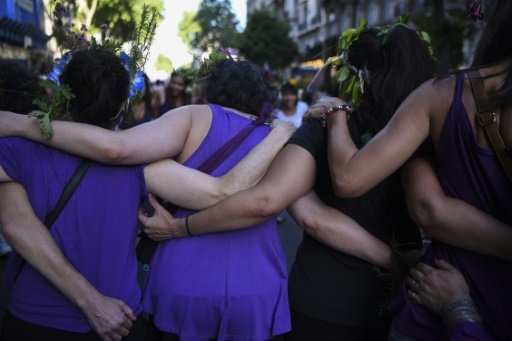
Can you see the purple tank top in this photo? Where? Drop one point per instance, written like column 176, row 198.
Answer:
column 473, row 174
column 222, row 286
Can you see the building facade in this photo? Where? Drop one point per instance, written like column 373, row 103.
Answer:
column 22, row 32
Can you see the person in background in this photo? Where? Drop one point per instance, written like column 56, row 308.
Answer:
column 174, row 95
column 140, row 111
column 291, row 109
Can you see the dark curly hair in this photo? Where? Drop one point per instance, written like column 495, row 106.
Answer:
column 396, row 65
column 100, row 84
column 239, row 85
column 18, row 87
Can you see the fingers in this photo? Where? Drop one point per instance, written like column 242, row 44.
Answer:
column 127, row 311
column 416, row 274
column 143, row 219
column 414, row 296
column 413, row 284
column 442, row 264
column 425, row 268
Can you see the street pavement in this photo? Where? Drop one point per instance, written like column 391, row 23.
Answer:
column 290, row 233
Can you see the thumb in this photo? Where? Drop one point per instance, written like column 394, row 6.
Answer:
column 152, row 199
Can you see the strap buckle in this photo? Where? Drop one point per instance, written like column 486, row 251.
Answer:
column 486, row 118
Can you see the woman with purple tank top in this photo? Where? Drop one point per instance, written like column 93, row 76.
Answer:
column 477, row 243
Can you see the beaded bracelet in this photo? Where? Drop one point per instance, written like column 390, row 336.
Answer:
column 341, row 107
column 460, row 310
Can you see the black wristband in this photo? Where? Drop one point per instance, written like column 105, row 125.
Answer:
column 186, row 226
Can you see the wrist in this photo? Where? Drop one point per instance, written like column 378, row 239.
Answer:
column 341, row 111
column 461, row 310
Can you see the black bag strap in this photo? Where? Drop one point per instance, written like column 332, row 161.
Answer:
column 66, row 194
column 487, row 120
column 147, row 247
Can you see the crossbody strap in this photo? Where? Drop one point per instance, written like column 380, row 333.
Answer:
column 487, row 120
column 66, row 194
column 147, row 247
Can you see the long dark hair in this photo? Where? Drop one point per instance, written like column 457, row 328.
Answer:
column 100, row 84
column 397, row 64
column 495, row 46
column 239, row 85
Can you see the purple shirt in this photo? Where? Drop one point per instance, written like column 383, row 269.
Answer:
column 225, row 286
column 96, row 231
column 473, row 174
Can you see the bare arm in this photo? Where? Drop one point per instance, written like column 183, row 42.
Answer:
column 152, row 141
column 109, row 317
column 354, row 171
column 193, row 189
column 451, row 220
column 339, row 231
column 290, row 176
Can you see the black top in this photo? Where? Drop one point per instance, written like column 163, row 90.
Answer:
column 331, row 285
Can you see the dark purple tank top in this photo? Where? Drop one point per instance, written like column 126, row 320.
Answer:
column 473, row 174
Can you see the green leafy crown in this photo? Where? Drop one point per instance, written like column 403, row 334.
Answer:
column 352, row 79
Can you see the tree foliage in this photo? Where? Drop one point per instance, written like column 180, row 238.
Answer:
column 218, row 26
column 266, row 40
column 163, row 63
column 188, row 27
column 121, row 16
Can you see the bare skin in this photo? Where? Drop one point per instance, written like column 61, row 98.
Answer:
column 450, row 220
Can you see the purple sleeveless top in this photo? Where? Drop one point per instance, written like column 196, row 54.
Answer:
column 473, row 174
column 225, row 286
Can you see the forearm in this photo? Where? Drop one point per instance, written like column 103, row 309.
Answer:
column 66, row 137
column 252, row 167
column 32, row 240
column 459, row 224
column 290, row 176
column 451, row 220
column 141, row 144
column 339, row 231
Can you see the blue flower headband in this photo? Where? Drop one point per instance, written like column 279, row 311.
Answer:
column 58, row 108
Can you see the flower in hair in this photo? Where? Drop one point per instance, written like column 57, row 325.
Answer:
column 58, row 107
column 54, row 75
column 475, row 10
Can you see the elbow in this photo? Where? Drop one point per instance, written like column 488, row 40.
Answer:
column 265, row 207
column 423, row 213
column 9, row 231
column 309, row 224
column 113, row 153
column 346, row 187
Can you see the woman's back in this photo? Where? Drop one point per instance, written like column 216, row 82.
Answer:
column 225, row 280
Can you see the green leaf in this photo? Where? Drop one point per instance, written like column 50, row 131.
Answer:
column 43, row 119
column 343, row 73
